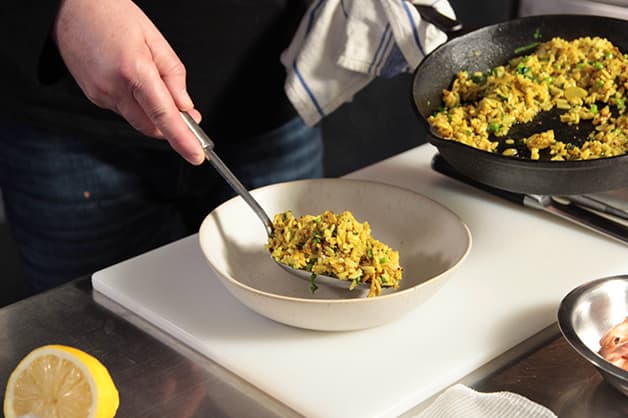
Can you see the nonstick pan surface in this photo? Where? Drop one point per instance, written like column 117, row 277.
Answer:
column 494, row 45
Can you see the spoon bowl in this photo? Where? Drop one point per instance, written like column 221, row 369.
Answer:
column 328, row 281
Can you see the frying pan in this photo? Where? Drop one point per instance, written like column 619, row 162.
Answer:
column 494, row 45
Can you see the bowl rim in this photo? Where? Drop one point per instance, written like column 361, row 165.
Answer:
column 382, row 298
column 569, row 333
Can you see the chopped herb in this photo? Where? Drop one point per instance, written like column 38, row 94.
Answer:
column 600, row 83
column 310, row 264
column 382, row 260
column 527, row 47
column 593, row 109
column 313, row 287
column 478, row 78
column 537, row 34
column 383, row 279
column 317, row 219
column 493, row 127
column 598, row 65
column 370, row 253
column 441, row 109
column 522, row 69
column 609, row 55
column 580, row 65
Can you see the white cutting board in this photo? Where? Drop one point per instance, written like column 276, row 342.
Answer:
column 521, row 265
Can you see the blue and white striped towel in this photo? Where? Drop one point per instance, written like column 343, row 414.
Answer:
column 342, row 45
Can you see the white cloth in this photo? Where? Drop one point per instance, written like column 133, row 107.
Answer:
column 460, row 401
column 342, row 45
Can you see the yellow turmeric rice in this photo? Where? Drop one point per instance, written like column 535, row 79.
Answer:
column 585, row 79
column 334, row 245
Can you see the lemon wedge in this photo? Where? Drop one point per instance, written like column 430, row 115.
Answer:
column 61, row 382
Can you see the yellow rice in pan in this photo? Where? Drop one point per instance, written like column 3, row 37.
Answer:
column 586, row 78
column 337, row 246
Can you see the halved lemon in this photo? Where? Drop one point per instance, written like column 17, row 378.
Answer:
column 57, row 381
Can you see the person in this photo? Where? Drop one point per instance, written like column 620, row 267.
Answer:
column 96, row 163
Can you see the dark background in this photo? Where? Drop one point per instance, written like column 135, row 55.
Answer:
column 380, row 122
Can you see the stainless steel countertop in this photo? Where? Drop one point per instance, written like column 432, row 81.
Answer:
column 157, row 376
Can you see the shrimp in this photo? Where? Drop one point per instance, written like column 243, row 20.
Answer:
column 614, row 345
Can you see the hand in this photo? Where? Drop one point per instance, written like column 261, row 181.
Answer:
column 123, row 63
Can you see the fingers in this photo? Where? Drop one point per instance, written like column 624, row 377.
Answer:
column 158, row 105
column 171, row 70
column 162, row 94
column 134, row 114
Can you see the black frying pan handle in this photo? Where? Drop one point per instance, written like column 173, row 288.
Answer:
column 450, row 26
column 439, row 164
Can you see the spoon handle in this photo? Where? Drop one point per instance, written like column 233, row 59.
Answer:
column 208, row 147
column 436, row 18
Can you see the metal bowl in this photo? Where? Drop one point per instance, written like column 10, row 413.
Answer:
column 587, row 313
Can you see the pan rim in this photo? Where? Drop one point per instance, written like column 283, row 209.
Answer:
column 436, row 140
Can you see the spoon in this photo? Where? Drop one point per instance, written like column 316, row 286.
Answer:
column 208, row 148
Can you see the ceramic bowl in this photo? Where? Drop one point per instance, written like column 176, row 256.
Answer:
column 587, row 313
column 431, row 239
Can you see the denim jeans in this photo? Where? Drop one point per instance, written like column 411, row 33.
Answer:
column 76, row 206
